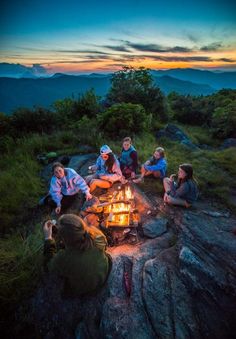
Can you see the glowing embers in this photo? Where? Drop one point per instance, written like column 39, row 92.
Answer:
column 120, row 210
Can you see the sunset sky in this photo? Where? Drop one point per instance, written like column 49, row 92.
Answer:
column 102, row 36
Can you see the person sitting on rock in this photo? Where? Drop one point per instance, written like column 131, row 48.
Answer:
column 64, row 187
column 128, row 159
column 107, row 170
column 156, row 166
column 83, row 263
column 184, row 191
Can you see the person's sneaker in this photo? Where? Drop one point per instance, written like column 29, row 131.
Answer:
column 138, row 180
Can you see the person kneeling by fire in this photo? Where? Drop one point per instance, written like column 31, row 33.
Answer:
column 83, row 263
column 107, row 170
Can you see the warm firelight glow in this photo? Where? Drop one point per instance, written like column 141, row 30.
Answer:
column 119, row 213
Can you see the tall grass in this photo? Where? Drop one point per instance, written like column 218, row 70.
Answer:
column 21, row 187
column 20, row 266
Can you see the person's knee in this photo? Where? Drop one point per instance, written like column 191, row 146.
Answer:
column 166, row 184
column 92, row 185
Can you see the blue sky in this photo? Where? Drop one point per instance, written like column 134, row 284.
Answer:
column 83, row 36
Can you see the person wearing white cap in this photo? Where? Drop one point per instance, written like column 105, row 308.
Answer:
column 107, row 170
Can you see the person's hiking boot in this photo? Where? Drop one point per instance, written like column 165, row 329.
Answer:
column 138, row 180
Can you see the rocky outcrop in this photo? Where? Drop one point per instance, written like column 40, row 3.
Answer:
column 230, row 142
column 155, row 227
column 180, row 284
column 174, row 133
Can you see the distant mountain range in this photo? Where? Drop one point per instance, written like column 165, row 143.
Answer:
column 29, row 92
column 44, row 91
column 22, row 71
column 216, row 80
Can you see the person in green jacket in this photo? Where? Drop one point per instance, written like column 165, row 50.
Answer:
column 83, row 263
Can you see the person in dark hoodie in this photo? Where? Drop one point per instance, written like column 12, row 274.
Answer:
column 128, row 159
column 184, row 191
column 83, row 263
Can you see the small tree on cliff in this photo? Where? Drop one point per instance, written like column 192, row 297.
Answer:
column 136, row 86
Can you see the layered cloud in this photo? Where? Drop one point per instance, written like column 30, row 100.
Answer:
column 18, row 70
column 120, row 52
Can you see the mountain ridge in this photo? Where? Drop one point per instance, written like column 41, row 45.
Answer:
column 43, row 91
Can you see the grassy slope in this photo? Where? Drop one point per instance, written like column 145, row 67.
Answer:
column 19, row 254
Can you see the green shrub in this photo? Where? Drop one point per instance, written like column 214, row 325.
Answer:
column 136, row 86
column 4, row 124
column 88, row 104
column 65, row 110
column 190, row 110
column 224, row 121
column 87, row 131
column 25, row 120
column 123, row 119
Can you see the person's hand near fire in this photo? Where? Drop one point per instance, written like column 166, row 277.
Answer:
column 47, row 230
column 92, row 169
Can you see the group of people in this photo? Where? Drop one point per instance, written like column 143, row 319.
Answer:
column 180, row 189
column 84, row 263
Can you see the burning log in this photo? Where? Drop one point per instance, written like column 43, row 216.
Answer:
column 120, row 209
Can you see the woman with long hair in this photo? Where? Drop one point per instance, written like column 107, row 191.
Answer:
column 83, row 263
column 107, row 170
column 183, row 191
column 155, row 166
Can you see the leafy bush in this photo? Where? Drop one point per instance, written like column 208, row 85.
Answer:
column 87, row 131
column 88, row 104
column 136, row 86
column 4, row 124
column 123, row 119
column 190, row 110
column 217, row 111
column 39, row 120
column 224, row 121
column 69, row 109
column 65, row 109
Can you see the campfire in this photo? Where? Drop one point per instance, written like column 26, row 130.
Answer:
column 120, row 210
column 116, row 213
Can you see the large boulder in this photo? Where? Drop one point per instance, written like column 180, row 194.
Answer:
column 155, row 227
column 79, row 163
column 174, row 133
column 181, row 283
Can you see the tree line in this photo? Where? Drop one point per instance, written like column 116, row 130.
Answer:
column 132, row 105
